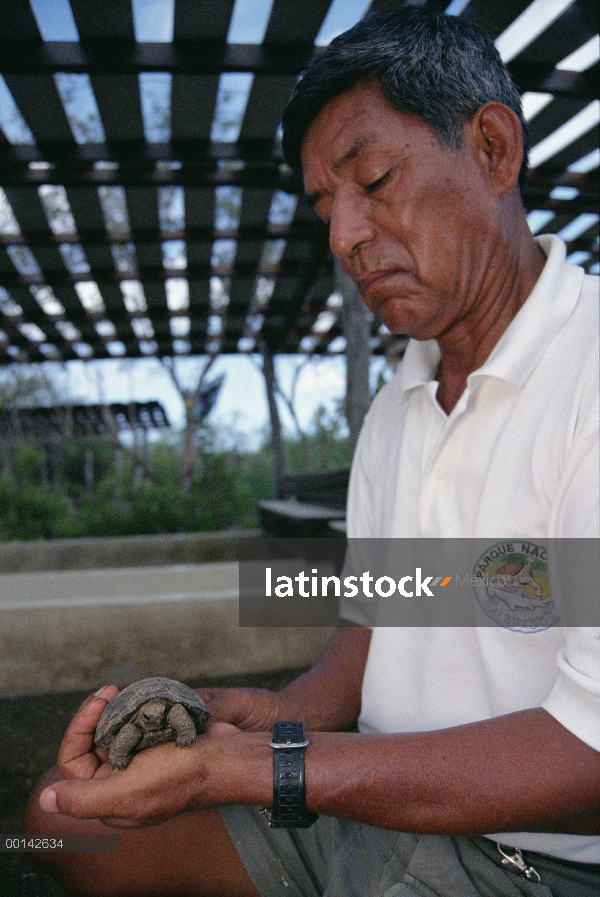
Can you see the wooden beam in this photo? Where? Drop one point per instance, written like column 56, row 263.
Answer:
column 138, row 152
column 158, row 274
column 305, row 230
column 546, row 79
column 268, row 176
column 113, row 56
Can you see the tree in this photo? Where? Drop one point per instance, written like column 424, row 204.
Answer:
column 191, row 437
column 21, row 387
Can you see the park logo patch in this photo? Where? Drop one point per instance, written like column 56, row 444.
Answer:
column 511, row 584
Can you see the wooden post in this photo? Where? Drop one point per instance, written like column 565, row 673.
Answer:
column 89, row 469
column 277, row 441
column 356, row 320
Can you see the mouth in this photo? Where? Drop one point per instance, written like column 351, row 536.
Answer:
column 366, row 281
column 374, row 278
column 373, row 285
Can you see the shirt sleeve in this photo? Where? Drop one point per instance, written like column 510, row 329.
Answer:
column 575, row 699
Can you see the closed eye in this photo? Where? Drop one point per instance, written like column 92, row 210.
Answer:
column 380, row 182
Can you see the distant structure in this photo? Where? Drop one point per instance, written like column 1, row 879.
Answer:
column 93, row 437
column 48, row 425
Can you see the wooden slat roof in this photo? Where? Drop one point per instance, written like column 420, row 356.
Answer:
column 221, row 271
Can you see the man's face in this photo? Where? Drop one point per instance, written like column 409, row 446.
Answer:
column 414, row 223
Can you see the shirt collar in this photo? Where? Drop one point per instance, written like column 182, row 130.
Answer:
column 525, row 340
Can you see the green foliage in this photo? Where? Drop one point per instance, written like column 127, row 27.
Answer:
column 219, row 498
column 325, row 448
column 29, row 465
column 48, row 494
column 69, row 465
column 30, row 511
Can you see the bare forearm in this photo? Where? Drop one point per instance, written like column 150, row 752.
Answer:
column 521, row 772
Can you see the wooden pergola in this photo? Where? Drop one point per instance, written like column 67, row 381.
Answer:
column 208, row 246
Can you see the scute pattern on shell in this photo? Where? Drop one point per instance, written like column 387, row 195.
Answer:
column 124, row 705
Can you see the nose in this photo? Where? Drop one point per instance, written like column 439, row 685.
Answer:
column 350, row 225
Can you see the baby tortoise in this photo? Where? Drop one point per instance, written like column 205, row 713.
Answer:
column 149, row 712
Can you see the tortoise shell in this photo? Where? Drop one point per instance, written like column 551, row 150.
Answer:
column 126, row 704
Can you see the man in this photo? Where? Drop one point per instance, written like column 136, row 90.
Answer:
column 411, row 142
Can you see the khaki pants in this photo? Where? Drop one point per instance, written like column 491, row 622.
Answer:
column 338, row 858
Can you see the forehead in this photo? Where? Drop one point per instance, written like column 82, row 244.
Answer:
column 359, row 122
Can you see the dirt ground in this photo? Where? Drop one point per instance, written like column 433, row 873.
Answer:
column 31, row 729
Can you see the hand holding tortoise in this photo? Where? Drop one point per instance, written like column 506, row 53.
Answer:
column 160, row 783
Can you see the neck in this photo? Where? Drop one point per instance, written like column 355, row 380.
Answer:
column 466, row 347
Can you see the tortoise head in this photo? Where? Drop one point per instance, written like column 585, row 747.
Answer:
column 152, row 716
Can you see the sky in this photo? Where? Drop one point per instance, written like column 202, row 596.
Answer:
column 240, row 414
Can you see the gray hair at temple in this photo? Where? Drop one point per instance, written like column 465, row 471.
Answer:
column 438, row 67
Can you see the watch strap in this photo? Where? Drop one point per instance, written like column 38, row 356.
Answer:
column 289, row 794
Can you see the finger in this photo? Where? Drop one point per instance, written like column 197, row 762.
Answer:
column 105, row 800
column 226, row 704
column 49, row 803
column 217, row 728
column 93, row 697
column 81, row 799
column 104, row 770
column 251, row 709
column 210, row 696
column 76, row 757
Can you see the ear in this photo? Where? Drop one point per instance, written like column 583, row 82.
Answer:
column 498, row 142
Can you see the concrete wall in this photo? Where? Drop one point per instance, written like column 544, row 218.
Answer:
column 76, row 614
column 132, row 551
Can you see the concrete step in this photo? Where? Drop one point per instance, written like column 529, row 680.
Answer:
column 102, row 552
column 67, row 630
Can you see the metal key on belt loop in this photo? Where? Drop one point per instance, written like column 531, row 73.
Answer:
column 513, row 857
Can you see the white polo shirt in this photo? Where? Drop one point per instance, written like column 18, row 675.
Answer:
column 518, row 457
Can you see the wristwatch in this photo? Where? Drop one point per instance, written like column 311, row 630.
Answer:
column 289, row 796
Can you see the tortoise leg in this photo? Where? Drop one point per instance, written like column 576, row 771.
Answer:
column 119, row 753
column 183, row 724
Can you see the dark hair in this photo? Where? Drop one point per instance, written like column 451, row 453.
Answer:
column 438, row 67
